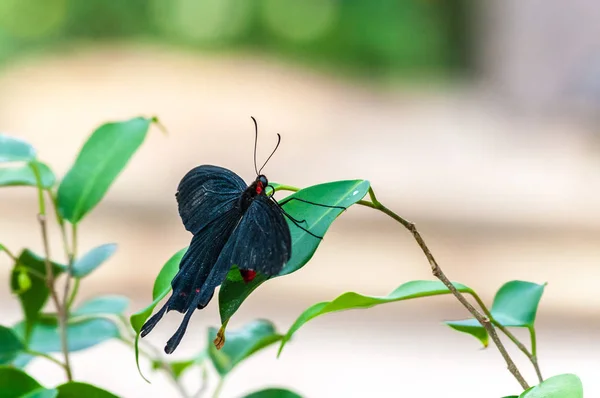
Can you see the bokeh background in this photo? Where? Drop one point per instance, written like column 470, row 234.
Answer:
column 476, row 120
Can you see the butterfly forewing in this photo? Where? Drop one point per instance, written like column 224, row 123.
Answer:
column 261, row 242
column 205, row 193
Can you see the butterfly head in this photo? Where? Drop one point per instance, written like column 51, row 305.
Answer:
column 260, row 184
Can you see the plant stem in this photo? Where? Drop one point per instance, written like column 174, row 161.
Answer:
column 8, row 253
column 438, row 273
column 71, row 258
column 531, row 356
column 50, row 281
column 48, row 357
column 219, row 387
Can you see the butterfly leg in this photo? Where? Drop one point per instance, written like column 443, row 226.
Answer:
column 287, row 200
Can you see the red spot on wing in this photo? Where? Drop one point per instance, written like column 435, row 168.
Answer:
column 248, row 275
column 197, row 290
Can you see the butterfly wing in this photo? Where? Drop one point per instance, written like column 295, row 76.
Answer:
column 261, row 242
column 205, row 193
column 194, row 284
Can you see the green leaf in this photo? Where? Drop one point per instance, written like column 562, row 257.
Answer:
column 77, row 390
column 110, row 304
column 162, row 287
column 515, row 305
column 273, row 393
column 561, row 386
column 235, row 290
column 179, row 367
column 473, row 327
column 41, row 393
column 22, row 360
column 10, row 345
column 15, row 383
column 14, row 149
column 23, row 175
column 33, row 299
column 101, row 159
column 241, row 344
column 83, row 266
column 351, row 300
column 82, row 333
column 24, row 281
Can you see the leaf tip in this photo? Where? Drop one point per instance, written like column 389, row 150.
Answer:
column 161, row 127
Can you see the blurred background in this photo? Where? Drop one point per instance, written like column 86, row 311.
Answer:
column 478, row 121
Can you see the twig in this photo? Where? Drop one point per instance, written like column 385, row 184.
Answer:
column 531, row 355
column 50, row 281
column 71, row 258
column 438, row 273
column 8, row 253
column 219, row 387
column 48, row 357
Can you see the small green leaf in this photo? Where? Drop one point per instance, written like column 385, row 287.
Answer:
column 22, row 175
column 241, row 344
column 515, row 305
column 82, row 333
column 101, row 159
column 83, row 266
column 179, row 367
column 33, row 299
column 15, row 149
column 110, row 304
column 351, row 300
column 24, row 281
column 162, row 287
column 235, row 290
column 10, row 345
column 77, row 390
column 273, row 393
column 473, row 327
column 15, row 382
column 41, row 393
column 561, row 386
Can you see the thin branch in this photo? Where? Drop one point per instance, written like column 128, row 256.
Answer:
column 71, row 259
column 438, row 273
column 48, row 357
column 530, row 355
column 8, row 253
column 219, row 387
column 50, row 281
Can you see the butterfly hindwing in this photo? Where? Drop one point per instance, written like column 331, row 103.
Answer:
column 205, row 193
column 261, row 242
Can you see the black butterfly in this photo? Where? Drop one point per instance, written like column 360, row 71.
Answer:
column 232, row 224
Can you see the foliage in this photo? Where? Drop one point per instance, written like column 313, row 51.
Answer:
column 73, row 328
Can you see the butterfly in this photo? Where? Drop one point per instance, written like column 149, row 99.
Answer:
column 232, row 224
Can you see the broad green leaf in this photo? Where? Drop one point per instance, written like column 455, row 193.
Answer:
column 33, row 299
column 101, row 159
column 82, row 333
column 21, row 174
column 41, row 393
column 561, row 386
column 471, row 326
column 515, row 305
column 110, row 304
column 273, row 393
column 78, row 390
column 234, row 290
column 10, row 345
column 15, row 149
column 162, row 287
column 351, row 300
column 84, row 265
column 15, row 382
column 241, row 344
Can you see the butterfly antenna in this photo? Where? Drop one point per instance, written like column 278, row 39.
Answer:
column 255, row 141
column 272, row 153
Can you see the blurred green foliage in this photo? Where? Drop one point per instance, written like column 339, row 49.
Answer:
column 359, row 36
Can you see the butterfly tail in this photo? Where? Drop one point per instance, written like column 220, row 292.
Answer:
column 151, row 323
column 176, row 338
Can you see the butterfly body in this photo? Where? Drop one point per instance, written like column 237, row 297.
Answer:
column 232, row 224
